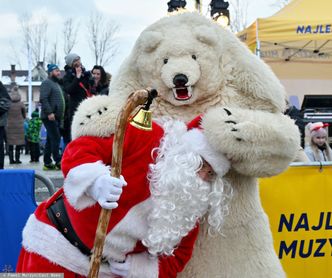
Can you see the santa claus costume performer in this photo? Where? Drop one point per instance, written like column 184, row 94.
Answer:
column 156, row 204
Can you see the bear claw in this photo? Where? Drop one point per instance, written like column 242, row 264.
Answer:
column 228, row 112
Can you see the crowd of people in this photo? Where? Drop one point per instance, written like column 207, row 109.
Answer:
column 59, row 99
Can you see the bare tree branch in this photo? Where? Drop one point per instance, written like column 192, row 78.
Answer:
column 35, row 37
column 14, row 56
column 239, row 15
column 101, row 33
column 53, row 56
column 70, row 30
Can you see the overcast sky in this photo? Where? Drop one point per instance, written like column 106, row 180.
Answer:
column 131, row 15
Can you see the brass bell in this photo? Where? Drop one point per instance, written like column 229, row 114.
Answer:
column 142, row 120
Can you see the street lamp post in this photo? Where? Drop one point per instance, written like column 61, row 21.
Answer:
column 176, row 5
column 220, row 12
column 198, row 5
column 219, row 9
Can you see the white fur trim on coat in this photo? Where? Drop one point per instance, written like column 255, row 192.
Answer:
column 143, row 265
column 96, row 116
column 48, row 242
column 123, row 237
column 197, row 141
column 79, row 179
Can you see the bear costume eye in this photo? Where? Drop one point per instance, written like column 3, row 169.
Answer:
column 194, row 57
column 165, row 60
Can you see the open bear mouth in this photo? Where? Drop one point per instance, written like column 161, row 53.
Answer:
column 182, row 93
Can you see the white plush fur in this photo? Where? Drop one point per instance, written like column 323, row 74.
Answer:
column 96, row 116
column 143, row 265
column 45, row 240
column 225, row 73
column 79, row 179
column 246, row 248
column 196, row 140
column 258, row 143
column 123, row 238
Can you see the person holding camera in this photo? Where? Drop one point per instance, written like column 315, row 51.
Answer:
column 77, row 82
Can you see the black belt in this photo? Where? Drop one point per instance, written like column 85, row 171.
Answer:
column 59, row 217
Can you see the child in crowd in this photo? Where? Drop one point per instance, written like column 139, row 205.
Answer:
column 33, row 135
column 318, row 148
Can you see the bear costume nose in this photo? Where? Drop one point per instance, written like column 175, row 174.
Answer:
column 180, row 80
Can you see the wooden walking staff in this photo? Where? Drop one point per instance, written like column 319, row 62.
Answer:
column 136, row 99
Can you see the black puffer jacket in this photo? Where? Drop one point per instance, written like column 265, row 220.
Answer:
column 76, row 88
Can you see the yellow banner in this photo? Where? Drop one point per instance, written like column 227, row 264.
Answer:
column 299, row 205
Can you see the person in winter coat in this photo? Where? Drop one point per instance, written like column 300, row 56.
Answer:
column 77, row 82
column 33, row 136
column 5, row 102
column 101, row 81
column 15, row 127
column 318, row 148
column 52, row 114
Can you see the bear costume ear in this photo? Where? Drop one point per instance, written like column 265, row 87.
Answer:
column 151, row 40
column 250, row 75
column 206, row 35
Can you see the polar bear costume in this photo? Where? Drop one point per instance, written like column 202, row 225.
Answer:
column 198, row 67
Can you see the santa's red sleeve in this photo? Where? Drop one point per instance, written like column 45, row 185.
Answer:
column 85, row 159
column 144, row 265
column 86, row 149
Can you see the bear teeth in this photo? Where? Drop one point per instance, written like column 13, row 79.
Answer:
column 182, row 93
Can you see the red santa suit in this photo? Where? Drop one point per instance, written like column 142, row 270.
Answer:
column 45, row 249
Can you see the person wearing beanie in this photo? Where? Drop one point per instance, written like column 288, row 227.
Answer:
column 51, row 67
column 33, row 135
column 71, row 58
column 156, row 205
column 77, row 82
column 318, row 148
column 52, row 114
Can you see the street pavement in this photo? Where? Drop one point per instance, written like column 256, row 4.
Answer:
column 41, row 192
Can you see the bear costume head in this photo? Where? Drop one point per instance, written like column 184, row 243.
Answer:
column 194, row 64
column 190, row 60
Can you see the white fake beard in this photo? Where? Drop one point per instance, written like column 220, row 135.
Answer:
column 181, row 198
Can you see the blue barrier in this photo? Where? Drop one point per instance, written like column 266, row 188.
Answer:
column 17, row 202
